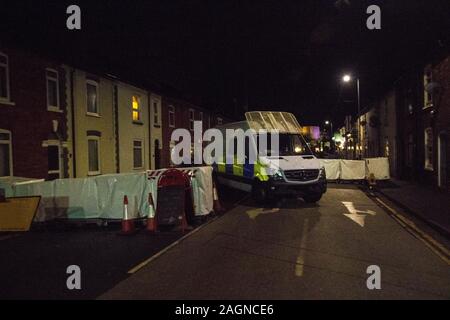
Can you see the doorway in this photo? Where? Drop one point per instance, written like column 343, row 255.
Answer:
column 442, row 160
column 157, row 155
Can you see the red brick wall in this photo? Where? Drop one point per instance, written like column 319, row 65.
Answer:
column 441, row 75
column 28, row 120
column 181, row 121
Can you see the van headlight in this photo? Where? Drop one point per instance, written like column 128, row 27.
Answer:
column 322, row 173
column 275, row 174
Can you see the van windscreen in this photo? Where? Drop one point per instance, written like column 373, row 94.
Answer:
column 289, row 145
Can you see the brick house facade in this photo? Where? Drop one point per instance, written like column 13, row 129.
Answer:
column 177, row 113
column 33, row 131
column 423, row 109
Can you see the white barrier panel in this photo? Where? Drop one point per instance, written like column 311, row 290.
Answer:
column 102, row 196
column 379, row 167
column 332, row 168
column 353, row 169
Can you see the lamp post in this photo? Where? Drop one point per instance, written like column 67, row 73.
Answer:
column 327, row 122
column 347, row 78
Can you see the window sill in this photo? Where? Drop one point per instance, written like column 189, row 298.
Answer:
column 95, row 115
column 7, row 102
column 139, row 123
column 93, row 174
column 54, row 109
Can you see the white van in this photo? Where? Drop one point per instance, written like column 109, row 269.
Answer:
column 294, row 170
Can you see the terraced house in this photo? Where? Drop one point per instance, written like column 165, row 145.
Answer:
column 33, row 108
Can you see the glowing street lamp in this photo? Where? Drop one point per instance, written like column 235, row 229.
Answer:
column 346, row 78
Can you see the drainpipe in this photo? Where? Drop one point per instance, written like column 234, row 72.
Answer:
column 72, row 107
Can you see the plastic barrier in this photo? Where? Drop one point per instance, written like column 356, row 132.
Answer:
column 102, row 197
column 379, row 167
column 353, row 169
column 332, row 168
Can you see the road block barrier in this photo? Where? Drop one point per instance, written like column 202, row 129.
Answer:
column 101, row 197
column 341, row 169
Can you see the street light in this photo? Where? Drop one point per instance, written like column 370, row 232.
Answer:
column 347, row 78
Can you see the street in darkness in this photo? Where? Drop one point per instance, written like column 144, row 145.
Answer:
column 225, row 158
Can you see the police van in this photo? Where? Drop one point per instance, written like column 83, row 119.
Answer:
column 291, row 170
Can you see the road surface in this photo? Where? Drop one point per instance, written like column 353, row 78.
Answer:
column 294, row 251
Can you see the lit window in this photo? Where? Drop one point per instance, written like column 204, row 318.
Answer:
column 94, row 155
column 429, row 149
column 4, row 78
column 172, row 116
column 138, row 162
column 191, row 119
column 52, row 90
column 5, row 153
column 136, row 107
column 92, row 97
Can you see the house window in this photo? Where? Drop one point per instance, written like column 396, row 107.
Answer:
column 94, row 155
column 219, row 121
column 92, row 97
column 156, row 113
column 428, row 96
column 52, row 90
column 136, row 108
column 172, row 116
column 4, row 77
column 191, row 119
column 5, row 153
column 429, row 149
column 138, row 162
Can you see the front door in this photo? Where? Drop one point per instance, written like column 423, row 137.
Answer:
column 54, row 162
column 157, row 155
column 442, row 160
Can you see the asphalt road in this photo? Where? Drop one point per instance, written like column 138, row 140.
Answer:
column 294, row 251
column 33, row 265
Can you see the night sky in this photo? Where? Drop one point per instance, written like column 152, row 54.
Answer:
column 265, row 54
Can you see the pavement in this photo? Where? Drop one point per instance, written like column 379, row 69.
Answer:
column 295, row 251
column 429, row 204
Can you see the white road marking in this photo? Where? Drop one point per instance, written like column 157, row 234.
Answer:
column 357, row 216
column 253, row 213
column 301, row 254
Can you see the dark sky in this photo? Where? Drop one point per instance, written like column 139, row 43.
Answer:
column 272, row 54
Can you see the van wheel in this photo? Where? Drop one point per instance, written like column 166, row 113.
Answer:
column 259, row 192
column 312, row 198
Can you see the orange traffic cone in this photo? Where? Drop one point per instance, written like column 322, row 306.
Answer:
column 151, row 221
column 127, row 223
column 217, row 206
